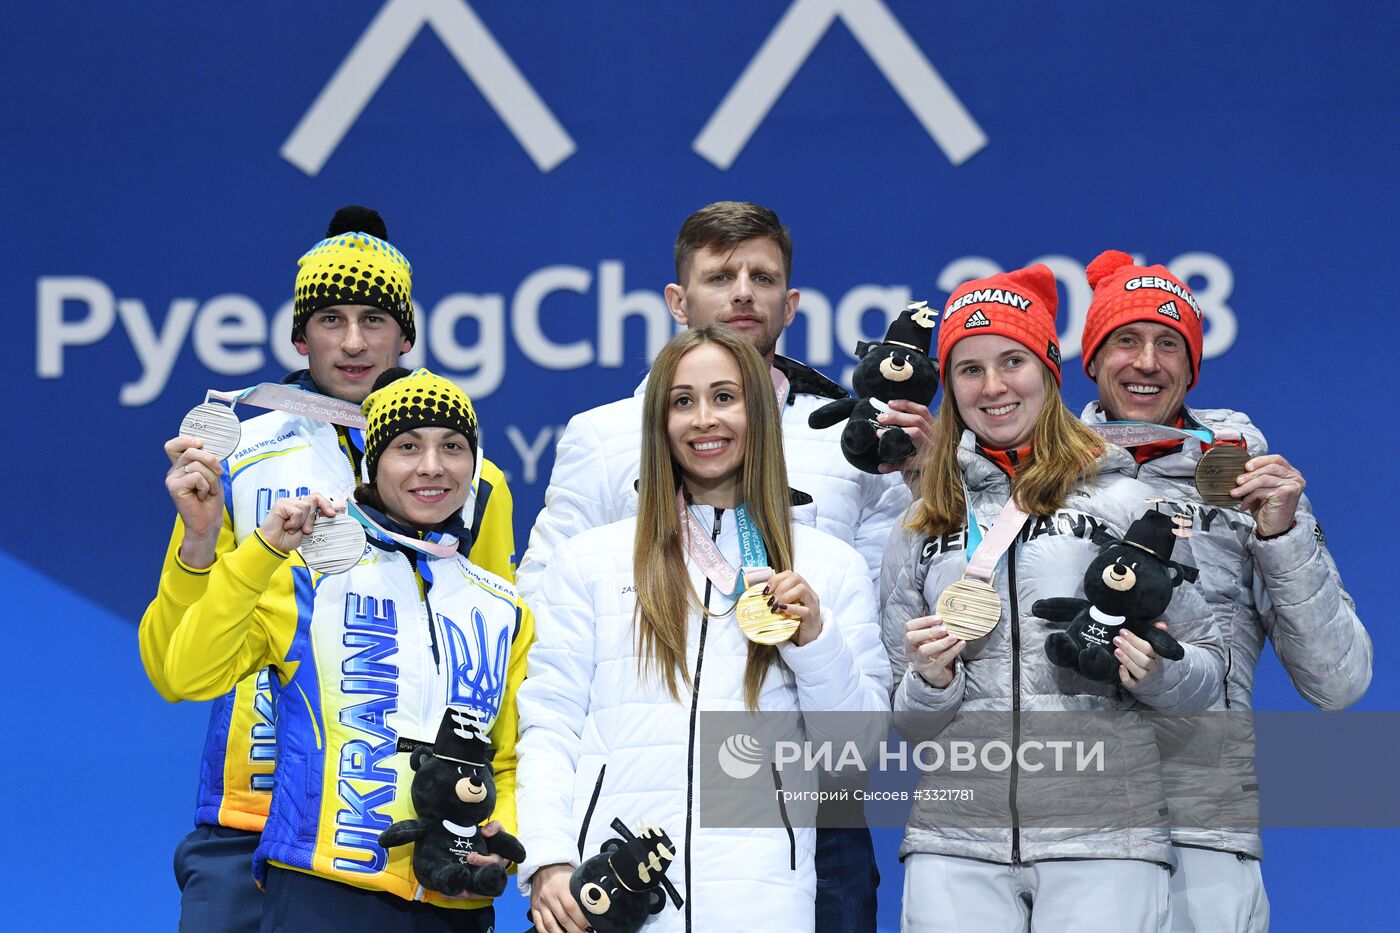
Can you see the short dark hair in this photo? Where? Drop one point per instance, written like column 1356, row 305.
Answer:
column 726, row 224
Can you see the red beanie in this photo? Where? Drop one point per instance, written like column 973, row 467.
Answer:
column 1020, row 305
column 1125, row 293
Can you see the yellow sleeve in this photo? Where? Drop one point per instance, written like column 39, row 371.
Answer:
column 180, row 587
column 493, row 543
column 245, row 621
column 507, row 727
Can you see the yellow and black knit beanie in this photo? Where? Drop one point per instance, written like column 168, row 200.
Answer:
column 354, row 265
column 402, row 401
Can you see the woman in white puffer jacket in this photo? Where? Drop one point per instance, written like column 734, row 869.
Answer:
column 634, row 640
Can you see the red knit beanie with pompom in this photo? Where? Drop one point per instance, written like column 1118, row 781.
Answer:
column 1125, row 293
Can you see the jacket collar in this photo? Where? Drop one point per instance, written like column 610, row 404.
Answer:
column 802, row 380
column 980, row 473
column 302, row 380
column 807, row 381
column 454, row 528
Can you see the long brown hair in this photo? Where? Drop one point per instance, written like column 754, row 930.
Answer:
column 1064, row 453
column 664, row 594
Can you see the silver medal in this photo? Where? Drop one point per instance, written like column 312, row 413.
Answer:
column 334, row 545
column 216, row 425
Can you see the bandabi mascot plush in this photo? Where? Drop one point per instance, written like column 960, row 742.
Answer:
column 897, row 367
column 621, row 886
column 454, row 792
column 1128, row 587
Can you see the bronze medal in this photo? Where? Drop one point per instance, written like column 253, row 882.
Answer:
column 1216, row 474
column 216, row 425
column 969, row 608
column 759, row 622
column 334, row 545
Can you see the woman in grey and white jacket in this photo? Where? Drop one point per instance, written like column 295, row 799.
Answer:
column 1041, row 832
column 635, row 640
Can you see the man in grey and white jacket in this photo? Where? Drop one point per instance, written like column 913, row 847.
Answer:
column 1264, row 568
column 734, row 266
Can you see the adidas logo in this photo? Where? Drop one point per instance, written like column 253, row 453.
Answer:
column 1169, row 309
column 978, row 319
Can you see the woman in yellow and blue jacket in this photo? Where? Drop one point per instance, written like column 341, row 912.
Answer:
column 367, row 660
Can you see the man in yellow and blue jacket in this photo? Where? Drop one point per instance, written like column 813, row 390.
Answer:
column 351, row 329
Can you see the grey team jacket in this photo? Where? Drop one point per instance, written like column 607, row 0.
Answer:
column 596, row 468
column 1286, row 589
column 1005, row 688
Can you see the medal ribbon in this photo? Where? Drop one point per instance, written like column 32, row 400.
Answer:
column 711, row 562
column 988, row 551
column 434, row 548
column 780, row 386
column 295, row 401
column 1139, row 433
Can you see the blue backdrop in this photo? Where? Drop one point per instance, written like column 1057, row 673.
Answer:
column 167, row 164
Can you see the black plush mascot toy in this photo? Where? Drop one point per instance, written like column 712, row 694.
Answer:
column 897, row 367
column 1128, row 587
column 454, row 792
column 621, row 886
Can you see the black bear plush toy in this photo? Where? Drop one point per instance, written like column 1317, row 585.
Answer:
column 453, row 793
column 897, row 367
column 1128, row 587
column 621, row 886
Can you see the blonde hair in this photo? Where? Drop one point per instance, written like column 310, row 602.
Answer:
column 1064, row 453
column 664, row 594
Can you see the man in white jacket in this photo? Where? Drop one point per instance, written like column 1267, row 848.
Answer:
column 734, row 266
column 1265, row 569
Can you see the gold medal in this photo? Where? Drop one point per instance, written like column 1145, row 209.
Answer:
column 1216, row 474
column 759, row 622
column 969, row 608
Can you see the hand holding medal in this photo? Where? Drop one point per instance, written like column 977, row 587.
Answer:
column 932, row 649
column 780, row 608
column 1270, row 489
column 289, row 521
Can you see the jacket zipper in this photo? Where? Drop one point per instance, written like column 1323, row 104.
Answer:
column 694, row 711
column 1015, row 702
column 1229, row 663
column 427, row 715
column 787, row 823
column 432, row 619
column 592, row 802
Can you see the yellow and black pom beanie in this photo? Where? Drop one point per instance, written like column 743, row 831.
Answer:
column 402, row 401
column 354, row 265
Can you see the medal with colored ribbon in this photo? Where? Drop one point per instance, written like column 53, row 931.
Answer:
column 337, row 543
column 971, row 607
column 757, row 620
column 1218, row 468
column 218, row 426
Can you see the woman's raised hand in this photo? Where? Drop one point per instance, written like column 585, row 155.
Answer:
column 932, row 650
column 789, row 595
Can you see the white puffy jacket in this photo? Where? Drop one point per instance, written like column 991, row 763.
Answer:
column 596, row 467
column 598, row 742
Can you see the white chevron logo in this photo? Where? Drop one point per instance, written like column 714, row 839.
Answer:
column 378, row 51
column 787, row 49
